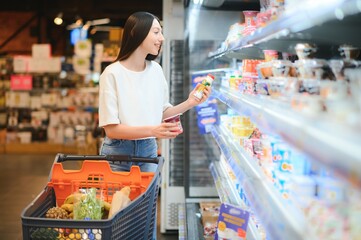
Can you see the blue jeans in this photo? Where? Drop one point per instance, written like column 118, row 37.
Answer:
column 138, row 148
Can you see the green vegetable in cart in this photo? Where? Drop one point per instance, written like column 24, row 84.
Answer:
column 89, row 208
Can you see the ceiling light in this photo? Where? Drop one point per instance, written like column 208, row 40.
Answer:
column 58, row 20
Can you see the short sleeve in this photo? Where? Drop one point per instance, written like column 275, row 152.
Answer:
column 108, row 110
column 166, row 103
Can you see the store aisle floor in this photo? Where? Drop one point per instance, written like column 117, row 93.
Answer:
column 22, row 178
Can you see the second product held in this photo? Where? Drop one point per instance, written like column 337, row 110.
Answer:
column 207, row 81
column 175, row 119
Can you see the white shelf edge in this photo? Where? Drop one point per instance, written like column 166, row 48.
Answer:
column 211, row 71
column 301, row 17
column 260, row 192
column 339, row 145
column 252, row 232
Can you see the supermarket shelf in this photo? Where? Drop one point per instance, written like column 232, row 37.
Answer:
column 222, row 183
column 250, row 52
column 244, row 166
column 280, row 219
column 325, row 141
column 212, row 71
column 220, row 180
column 311, row 20
column 326, row 23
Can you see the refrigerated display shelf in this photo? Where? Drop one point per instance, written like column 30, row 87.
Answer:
column 212, row 71
column 335, row 145
column 222, row 183
column 219, row 182
column 309, row 21
column 325, row 23
column 243, row 166
column 213, row 150
column 280, row 218
column 229, row 182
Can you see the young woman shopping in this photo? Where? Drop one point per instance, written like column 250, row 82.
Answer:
column 133, row 95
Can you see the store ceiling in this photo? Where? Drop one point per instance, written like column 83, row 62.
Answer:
column 116, row 10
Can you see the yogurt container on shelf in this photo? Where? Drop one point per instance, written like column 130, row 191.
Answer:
column 250, row 18
column 305, row 50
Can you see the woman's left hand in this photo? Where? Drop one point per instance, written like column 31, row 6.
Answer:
column 194, row 101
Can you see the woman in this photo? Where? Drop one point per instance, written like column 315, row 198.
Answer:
column 133, row 95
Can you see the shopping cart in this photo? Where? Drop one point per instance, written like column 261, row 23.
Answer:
column 136, row 221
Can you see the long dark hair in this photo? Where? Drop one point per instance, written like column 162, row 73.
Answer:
column 136, row 29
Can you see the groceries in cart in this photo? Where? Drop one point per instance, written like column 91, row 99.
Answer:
column 87, row 206
column 94, row 202
column 120, row 201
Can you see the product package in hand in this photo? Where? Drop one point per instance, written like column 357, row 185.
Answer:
column 120, row 201
column 207, row 81
column 175, row 119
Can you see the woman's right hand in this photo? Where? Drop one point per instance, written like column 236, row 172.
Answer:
column 166, row 130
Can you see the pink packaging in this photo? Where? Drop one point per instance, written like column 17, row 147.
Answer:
column 21, row 82
column 175, row 119
column 250, row 18
column 270, row 55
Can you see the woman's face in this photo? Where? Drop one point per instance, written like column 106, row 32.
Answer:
column 153, row 42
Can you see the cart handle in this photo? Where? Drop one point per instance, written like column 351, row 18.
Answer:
column 111, row 158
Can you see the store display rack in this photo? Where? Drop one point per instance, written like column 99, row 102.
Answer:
column 326, row 23
column 228, row 194
column 332, row 140
column 279, row 217
column 31, row 112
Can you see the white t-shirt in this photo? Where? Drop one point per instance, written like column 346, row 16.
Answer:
column 132, row 98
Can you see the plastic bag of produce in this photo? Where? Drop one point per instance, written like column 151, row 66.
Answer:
column 89, row 207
